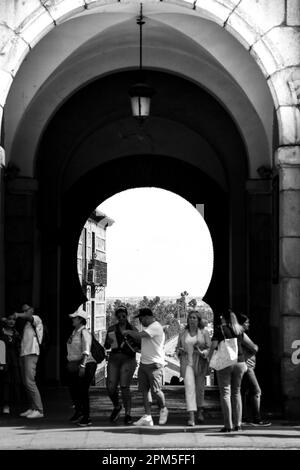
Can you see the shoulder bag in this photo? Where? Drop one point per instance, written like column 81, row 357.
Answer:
column 226, row 354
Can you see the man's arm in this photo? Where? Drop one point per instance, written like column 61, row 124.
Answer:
column 137, row 335
column 25, row 315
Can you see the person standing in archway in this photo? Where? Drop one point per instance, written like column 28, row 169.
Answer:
column 192, row 349
column 150, row 375
column 230, row 378
column 121, row 364
column 30, row 352
column 251, row 391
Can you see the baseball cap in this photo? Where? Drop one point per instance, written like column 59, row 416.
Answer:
column 144, row 312
column 79, row 313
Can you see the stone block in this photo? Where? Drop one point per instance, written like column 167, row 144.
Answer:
column 36, row 27
column 98, row 3
column 6, row 81
column 183, row 3
column 13, row 53
column 290, row 378
column 290, row 178
column 293, row 13
column 242, row 31
column 290, row 295
column 18, row 230
column 287, row 156
column 19, row 263
column 290, row 256
column 282, row 86
column 262, row 14
column 290, row 328
column 284, row 43
column 15, row 12
column 289, row 213
column 215, row 10
column 264, row 56
column 289, row 125
column 60, row 10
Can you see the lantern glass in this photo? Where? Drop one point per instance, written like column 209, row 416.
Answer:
column 140, row 106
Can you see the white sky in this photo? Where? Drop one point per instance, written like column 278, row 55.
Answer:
column 158, row 245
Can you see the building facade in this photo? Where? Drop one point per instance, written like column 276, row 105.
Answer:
column 92, row 271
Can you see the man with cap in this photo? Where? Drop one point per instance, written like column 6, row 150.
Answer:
column 81, row 367
column 30, row 352
column 152, row 362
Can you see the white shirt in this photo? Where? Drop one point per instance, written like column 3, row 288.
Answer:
column 152, row 349
column 189, row 344
column 80, row 343
column 29, row 343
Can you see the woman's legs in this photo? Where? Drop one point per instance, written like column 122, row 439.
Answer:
column 236, row 400
column 190, row 392
column 126, row 374
column 112, row 380
column 200, row 388
column 224, row 381
column 84, row 385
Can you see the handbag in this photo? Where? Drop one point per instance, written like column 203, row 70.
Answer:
column 226, row 355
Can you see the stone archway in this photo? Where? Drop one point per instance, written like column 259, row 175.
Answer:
column 270, row 35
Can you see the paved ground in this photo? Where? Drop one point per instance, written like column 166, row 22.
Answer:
column 55, row 432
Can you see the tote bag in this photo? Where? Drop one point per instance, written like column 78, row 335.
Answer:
column 226, row 354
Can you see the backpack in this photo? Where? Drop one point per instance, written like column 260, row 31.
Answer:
column 97, row 350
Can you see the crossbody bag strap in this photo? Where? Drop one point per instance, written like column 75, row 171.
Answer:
column 35, row 332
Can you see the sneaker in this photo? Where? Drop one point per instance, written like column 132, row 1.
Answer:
column 260, row 422
column 35, row 414
column 115, row 414
column 163, row 415
column 127, row 420
column 6, row 410
column 76, row 417
column 26, row 413
column 83, row 422
column 225, row 430
column 191, row 423
column 145, row 420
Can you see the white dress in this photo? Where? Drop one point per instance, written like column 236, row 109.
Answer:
column 189, row 379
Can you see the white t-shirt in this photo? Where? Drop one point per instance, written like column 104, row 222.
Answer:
column 29, row 343
column 189, row 344
column 152, row 349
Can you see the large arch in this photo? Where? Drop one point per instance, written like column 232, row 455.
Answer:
column 246, row 57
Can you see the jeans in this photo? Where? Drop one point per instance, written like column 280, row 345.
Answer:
column 229, row 381
column 120, row 370
column 251, row 394
column 79, row 388
column 28, row 370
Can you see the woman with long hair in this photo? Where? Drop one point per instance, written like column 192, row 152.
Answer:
column 121, row 364
column 192, row 349
column 10, row 376
column 230, row 378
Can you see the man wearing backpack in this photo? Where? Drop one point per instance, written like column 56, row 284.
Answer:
column 30, row 352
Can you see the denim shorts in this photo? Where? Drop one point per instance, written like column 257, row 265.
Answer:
column 150, row 377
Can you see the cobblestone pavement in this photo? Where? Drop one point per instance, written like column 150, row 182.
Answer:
column 55, row 432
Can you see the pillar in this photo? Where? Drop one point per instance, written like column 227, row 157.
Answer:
column 288, row 162
column 2, row 251
column 264, row 324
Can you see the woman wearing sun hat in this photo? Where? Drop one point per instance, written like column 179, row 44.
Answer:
column 81, row 367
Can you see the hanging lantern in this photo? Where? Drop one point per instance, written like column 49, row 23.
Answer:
column 141, row 93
